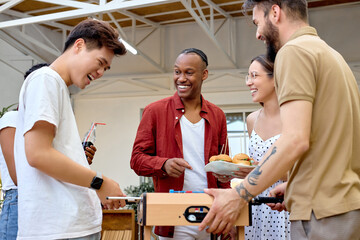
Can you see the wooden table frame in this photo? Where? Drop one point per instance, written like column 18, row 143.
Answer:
column 123, row 219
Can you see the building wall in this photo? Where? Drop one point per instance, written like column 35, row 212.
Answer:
column 13, row 64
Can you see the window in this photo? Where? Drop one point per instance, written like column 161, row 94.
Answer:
column 238, row 136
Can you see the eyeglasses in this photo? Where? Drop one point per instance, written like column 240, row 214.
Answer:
column 252, row 76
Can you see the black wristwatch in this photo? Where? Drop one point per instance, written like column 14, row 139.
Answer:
column 97, row 181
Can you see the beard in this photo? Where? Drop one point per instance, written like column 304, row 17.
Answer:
column 271, row 52
column 272, row 40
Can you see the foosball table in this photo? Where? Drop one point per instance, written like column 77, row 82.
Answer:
column 180, row 209
column 184, row 208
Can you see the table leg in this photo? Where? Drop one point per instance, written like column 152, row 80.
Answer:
column 241, row 232
column 147, row 232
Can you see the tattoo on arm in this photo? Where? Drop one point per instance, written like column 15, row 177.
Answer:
column 243, row 192
column 254, row 175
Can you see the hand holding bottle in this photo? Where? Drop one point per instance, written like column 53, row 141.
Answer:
column 88, row 142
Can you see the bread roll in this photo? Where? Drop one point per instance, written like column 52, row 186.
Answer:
column 213, row 158
column 224, row 157
column 221, row 157
column 241, row 158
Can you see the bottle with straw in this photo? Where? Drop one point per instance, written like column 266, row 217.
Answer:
column 90, row 136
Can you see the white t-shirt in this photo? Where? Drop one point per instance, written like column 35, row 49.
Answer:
column 193, row 136
column 7, row 120
column 48, row 208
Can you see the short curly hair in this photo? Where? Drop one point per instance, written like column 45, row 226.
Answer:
column 198, row 52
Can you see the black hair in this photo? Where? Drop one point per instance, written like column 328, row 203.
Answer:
column 96, row 34
column 198, row 52
column 265, row 62
column 33, row 68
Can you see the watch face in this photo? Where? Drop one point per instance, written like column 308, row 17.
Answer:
column 96, row 183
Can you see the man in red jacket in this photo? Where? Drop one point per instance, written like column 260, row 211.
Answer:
column 177, row 136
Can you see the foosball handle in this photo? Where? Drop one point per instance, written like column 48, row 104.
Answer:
column 261, row 200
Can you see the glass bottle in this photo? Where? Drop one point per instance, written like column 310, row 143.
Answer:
column 90, row 136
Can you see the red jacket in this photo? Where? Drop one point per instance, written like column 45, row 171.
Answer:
column 159, row 138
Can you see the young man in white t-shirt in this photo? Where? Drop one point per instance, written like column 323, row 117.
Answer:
column 54, row 178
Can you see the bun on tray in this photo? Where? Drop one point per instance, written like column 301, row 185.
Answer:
column 242, row 158
column 221, row 157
